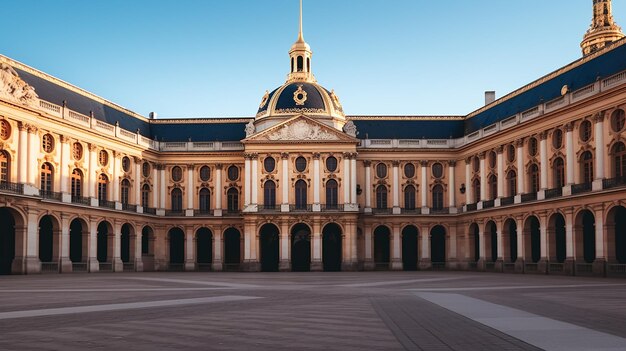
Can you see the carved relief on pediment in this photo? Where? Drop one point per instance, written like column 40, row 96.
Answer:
column 12, row 87
column 301, row 130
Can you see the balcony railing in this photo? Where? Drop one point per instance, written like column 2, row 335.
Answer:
column 411, row 211
column 81, row 200
column 488, row 204
column 232, row 213
column 331, row 207
column 581, row 188
column 509, row 200
column 149, row 210
column 268, row 208
column 174, row 213
column 471, row 207
column 203, row 212
column 300, row 208
column 14, row 188
column 529, row 197
column 381, row 210
column 552, row 193
column 50, row 195
column 440, row 211
column 106, row 204
column 129, row 207
column 613, row 182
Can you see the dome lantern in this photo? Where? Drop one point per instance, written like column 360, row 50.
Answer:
column 300, row 56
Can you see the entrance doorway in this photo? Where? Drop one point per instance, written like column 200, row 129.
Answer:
column 269, row 248
column 300, row 248
column 331, row 247
column 409, row 248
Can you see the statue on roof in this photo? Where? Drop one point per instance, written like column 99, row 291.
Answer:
column 250, row 129
column 350, row 129
column 15, row 88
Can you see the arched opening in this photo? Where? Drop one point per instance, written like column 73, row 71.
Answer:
column 533, row 178
column 532, row 233
column 232, row 196
column 7, row 240
column 493, row 186
column 177, row 249
column 232, row 249
column 559, row 172
column 585, row 233
column 301, row 195
column 147, row 248
column 409, row 248
column 78, row 251
column 331, row 247
column 382, row 247
column 491, row 242
column 474, row 242
column 509, row 240
column 269, row 240
column 105, row 239
column 616, row 224
column 556, row 233
column 438, row 245
column 204, row 248
column 308, row 64
column 301, row 248
column 125, row 243
column 511, row 183
column 145, row 196
column 300, row 63
column 46, row 239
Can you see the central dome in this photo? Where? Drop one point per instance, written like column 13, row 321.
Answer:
column 300, row 98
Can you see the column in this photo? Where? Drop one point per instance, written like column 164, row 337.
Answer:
column 162, row 187
column 65, row 264
column 284, row 264
column 396, row 256
column 346, row 178
column 138, row 259
column 191, row 192
column 501, row 175
column 218, row 190
column 217, row 264
column 92, row 255
column 600, row 152
column 285, row 184
column 481, row 246
column 116, row 261
column 353, row 184
column 452, row 255
column 424, row 238
column 93, row 175
column 137, row 187
column 155, row 185
column 22, row 159
column 254, row 183
column 424, row 188
column 190, row 240
column 569, row 159
column 543, row 242
column 396, row 187
column 521, row 172
column 452, row 186
column 369, row 260
column 64, row 172
column 469, row 190
column 33, row 152
column 316, row 256
column 519, row 264
column 316, row 182
column 246, row 186
column 543, row 159
column 500, row 260
column 368, row 186
column 568, row 267
column 599, row 264
column 483, row 177
column 116, row 180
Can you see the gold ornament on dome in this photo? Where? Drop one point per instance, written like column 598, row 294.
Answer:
column 335, row 99
column 300, row 96
column 264, row 100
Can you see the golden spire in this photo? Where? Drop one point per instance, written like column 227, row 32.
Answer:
column 300, row 34
column 603, row 29
column 300, row 57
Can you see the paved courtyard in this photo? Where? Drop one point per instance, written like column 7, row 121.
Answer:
column 311, row 311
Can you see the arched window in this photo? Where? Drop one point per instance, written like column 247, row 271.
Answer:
column 145, row 196
column 204, row 200
column 300, row 63
column 493, row 186
column 619, row 160
column 586, row 167
column 4, row 167
column 381, row 197
column 438, row 197
column 409, row 197
column 533, row 178
column 476, row 186
column 103, row 183
column 331, row 194
column 269, row 194
column 46, row 177
column 77, row 182
column 177, row 200
column 301, row 194
column 559, row 172
column 125, row 191
column 233, row 200
column 511, row 182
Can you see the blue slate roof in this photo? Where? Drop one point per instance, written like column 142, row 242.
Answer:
column 214, row 130
column 407, row 128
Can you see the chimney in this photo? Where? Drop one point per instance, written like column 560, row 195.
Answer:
column 153, row 115
column 490, row 96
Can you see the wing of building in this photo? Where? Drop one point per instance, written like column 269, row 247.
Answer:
column 531, row 182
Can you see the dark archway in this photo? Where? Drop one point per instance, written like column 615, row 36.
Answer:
column 7, row 240
column 105, row 240
column 269, row 240
column 438, row 244
column 332, row 247
column 409, row 248
column 617, row 218
column 125, row 243
column 147, row 248
column 300, row 248
column 204, row 248
column 382, row 247
column 232, row 249
column 474, row 242
column 177, row 248
column 46, row 239
column 556, row 227
column 77, row 232
column 510, row 238
column 533, row 233
column 587, row 223
column 491, row 238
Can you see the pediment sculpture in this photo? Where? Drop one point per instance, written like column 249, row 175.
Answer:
column 301, row 130
column 12, row 87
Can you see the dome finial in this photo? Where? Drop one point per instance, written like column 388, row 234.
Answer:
column 300, row 56
column 300, row 34
column 603, row 29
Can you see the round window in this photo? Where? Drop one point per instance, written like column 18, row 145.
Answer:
column 300, row 164
column 618, row 119
column 103, row 158
column 5, row 130
column 476, row 164
column 492, row 159
column 510, row 153
column 585, row 131
column 269, row 164
column 47, row 143
column 557, row 138
column 145, row 169
column 77, row 151
column 177, row 174
column 331, row 163
column 205, row 173
column 437, row 170
column 381, row 170
column 532, row 146
column 233, row 173
column 126, row 164
column 409, row 170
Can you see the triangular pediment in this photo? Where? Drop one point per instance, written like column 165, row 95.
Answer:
column 300, row 129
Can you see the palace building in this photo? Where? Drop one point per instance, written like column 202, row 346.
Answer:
column 532, row 182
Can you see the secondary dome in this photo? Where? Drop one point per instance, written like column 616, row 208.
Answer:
column 300, row 98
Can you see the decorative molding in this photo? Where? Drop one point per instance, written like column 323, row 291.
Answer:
column 14, row 88
column 301, row 130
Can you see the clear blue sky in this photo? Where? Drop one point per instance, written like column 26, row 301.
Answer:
column 216, row 58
